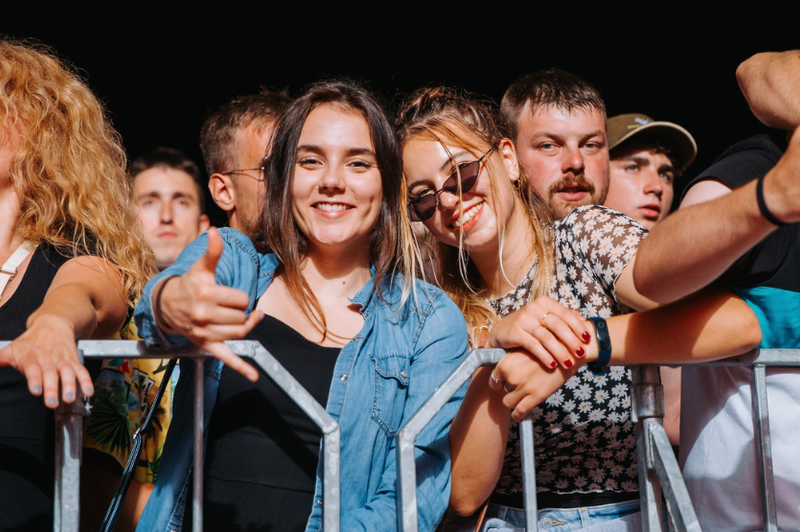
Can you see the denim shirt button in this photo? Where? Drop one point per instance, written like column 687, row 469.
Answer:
column 319, row 502
column 547, row 523
column 404, row 374
column 344, row 376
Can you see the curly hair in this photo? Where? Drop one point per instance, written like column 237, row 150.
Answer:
column 69, row 171
column 459, row 118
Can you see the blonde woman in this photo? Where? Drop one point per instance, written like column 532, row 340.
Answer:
column 64, row 233
column 499, row 260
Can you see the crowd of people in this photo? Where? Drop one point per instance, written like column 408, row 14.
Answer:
column 368, row 250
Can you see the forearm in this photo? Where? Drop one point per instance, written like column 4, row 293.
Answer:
column 770, row 82
column 695, row 245
column 707, row 325
column 478, row 439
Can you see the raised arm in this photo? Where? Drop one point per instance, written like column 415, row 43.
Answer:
column 85, row 300
column 713, row 228
column 770, row 82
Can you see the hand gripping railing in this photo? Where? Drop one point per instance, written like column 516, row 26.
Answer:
column 69, row 428
column 407, row 473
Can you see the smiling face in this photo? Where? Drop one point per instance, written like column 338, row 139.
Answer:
column 565, row 156
column 336, row 189
column 641, row 185
column 474, row 220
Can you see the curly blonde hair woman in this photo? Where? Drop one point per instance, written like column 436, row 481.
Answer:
column 71, row 240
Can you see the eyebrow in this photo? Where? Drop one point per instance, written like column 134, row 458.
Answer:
column 174, row 195
column 451, row 160
column 350, row 151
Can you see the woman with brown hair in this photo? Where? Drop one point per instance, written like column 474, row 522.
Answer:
column 502, row 261
column 333, row 275
column 72, row 267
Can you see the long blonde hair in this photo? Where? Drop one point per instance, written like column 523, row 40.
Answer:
column 457, row 118
column 69, row 172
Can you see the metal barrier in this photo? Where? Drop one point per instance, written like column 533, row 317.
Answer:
column 69, row 428
column 660, row 478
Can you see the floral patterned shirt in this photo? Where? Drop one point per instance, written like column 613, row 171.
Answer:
column 583, row 434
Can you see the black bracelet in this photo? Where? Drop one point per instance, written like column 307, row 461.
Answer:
column 600, row 366
column 762, row 205
column 160, row 321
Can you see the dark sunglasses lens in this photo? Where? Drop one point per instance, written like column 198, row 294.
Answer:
column 469, row 174
column 423, row 208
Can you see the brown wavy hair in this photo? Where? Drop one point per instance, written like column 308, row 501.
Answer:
column 459, row 118
column 69, row 171
column 391, row 251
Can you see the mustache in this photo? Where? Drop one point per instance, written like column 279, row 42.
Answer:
column 569, row 180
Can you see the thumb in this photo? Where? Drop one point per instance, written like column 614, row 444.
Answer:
column 208, row 262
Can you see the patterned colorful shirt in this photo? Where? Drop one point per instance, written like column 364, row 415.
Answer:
column 124, row 391
column 583, row 434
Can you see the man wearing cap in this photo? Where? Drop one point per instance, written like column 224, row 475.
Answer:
column 646, row 157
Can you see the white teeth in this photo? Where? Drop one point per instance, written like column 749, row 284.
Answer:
column 331, row 207
column 467, row 216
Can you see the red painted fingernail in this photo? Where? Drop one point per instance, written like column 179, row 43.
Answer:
column 553, row 364
column 580, row 352
column 586, row 336
column 567, row 364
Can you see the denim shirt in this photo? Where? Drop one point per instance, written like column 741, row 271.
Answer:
column 381, row 378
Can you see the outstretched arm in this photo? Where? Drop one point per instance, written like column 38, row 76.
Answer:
column 195, row 306
column 85, row 300
column 770, row 82
column 714, row 227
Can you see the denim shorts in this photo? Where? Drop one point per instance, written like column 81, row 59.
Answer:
column 616, row 517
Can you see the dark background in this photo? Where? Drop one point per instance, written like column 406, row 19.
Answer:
column 162, row 69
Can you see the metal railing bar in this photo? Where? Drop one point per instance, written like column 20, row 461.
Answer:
column 199, row 444
column 647, row 405
column 406, row 481
column 528, row 474
column 679, row 505
column 764, row 448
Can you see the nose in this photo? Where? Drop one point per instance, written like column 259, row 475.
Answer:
column 654, row 184
column 166, row 212
column 448, row 200
column 573, row 160
column 332, row 178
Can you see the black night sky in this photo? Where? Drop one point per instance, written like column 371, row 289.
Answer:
column 161, row 69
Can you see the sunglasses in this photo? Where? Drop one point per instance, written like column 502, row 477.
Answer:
column 421, row 208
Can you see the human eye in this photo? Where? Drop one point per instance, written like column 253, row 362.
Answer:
column 361, row 165
column 309, row 161
column 669, row 177
column 418, row 193
column 631, row 168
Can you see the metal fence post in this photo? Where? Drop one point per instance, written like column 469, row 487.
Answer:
column 764, row 448
column 406, row 483
column 658, row 467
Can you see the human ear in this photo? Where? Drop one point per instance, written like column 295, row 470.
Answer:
column 222, row 191
column 203, row 223
column 506, row 149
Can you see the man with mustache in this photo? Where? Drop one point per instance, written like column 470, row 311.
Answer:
column 558, row 124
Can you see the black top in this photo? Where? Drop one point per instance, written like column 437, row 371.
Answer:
column 26, row 426
column 263, row 450
column 772, row 262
